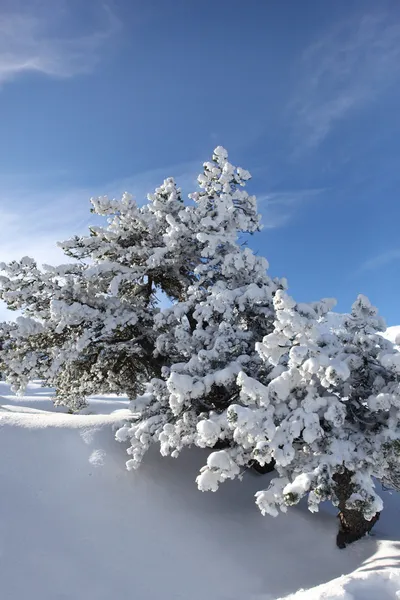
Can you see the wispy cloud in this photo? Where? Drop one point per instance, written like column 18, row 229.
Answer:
column 380, row 261
column 32, row 220
column 35, row 39
column 344, row 70
column 278, row 208
column 34, row 230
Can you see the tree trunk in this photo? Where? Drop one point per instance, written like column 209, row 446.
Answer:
column 221, row 444
column 353, row 526
column 263, row 469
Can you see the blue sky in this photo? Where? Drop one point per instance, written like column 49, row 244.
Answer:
column 98, row 97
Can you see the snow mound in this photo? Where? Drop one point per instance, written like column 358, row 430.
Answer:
column 74, row 524
column 372, row 586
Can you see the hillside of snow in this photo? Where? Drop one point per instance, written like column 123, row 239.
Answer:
column 75, row 525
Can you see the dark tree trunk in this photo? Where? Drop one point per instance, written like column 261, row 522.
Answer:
column 352, row 524
column 263, row 469
column 221, row 444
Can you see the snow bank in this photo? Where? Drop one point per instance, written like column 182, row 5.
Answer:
column 366, row 586
column 75, row 525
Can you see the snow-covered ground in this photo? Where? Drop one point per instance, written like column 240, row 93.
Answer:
column 75, row 525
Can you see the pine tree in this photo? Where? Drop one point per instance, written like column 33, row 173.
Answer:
column 326, row 410
column 233, row 364
column 88, row 326
column 211, row 333
column 92, row 326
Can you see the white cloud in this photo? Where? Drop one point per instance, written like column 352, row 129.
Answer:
column 31, row 221
column 33, row 39
column 33, row 229
column 380, row 261
column 350, row 66
column 277, row 208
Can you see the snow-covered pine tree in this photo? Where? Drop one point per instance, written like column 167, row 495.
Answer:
column 210, row 334
column 326, row 409
column 88, row 326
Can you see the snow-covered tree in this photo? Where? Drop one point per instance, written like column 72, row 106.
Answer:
column 92, row 326
column 210, row 334
column 88, row 326
column 326, row 409
column 233, row 364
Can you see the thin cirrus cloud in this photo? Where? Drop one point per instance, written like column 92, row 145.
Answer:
column 33, row 41
column 380, row 260
column 277, row 208
column 58, row 215
column 346, row 69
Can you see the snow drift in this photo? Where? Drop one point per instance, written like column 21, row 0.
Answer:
column 74, row 524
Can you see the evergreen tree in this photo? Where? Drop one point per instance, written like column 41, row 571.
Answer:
column 326, row 409
column 88, row 326
column 211, row 333
column 233, row 364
